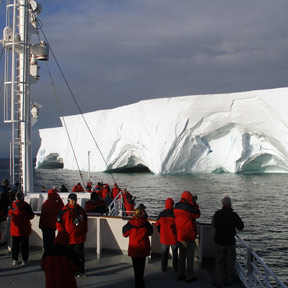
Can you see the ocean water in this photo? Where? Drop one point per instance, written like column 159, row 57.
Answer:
column 260, row 200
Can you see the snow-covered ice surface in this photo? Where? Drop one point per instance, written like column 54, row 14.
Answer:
column 238, row 132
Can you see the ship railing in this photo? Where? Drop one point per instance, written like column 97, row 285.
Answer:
column 116, row 206
column 251, row 270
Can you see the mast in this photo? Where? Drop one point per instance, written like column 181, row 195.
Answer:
column 89, row 166
column 20, row 72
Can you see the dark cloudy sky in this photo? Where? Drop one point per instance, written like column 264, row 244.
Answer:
column 115, row 53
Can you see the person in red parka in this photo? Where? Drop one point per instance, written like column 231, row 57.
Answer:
column 129, row 203
column 96, row 204
column 78, row 188
column 98, row 189
column 186, row 211
column 73, row 219
column 89, row 186
column 49, row 211
column 105, row 191
column 60, row 263
column 168, row 237
column 138, row 229
column 20, row 213
column 115, row 191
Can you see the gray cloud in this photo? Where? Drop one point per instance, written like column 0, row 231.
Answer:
column 115, row 53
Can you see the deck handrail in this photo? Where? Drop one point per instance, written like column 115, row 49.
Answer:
column 116, row 206
column 251, row 270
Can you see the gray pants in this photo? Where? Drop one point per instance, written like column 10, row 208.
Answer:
column 224, row 265
column 186, row 251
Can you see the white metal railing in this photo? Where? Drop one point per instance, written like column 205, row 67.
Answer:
column 251, row 270
column 116, row 206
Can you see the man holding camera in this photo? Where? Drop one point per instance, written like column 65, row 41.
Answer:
column 73, row 219
column 186, row 211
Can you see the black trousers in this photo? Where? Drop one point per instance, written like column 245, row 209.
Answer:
column 24, row 240
column 139, row 267
column 78, row 249
column 48, row 237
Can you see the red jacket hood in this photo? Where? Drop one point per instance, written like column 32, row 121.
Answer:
column 186, row 195
column 169, row 203
column 52, row 194
column 137, row 222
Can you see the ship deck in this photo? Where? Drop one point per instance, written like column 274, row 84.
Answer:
column 111, row 270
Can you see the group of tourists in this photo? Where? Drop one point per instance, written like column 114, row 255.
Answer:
column 102, row 196
column 176, row 225
column 177, row 228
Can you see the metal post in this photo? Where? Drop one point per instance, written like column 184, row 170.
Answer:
column 88, row 165
column 24, row 90
column 98, row 238
column 249, row 267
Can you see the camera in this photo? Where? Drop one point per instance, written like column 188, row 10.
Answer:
column 77, row 220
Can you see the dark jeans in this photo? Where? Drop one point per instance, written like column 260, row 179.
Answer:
column 78, row 249
column 186, row 252
column 224, row 265
column 48, row 237
column 24, row 240
column 165, row 254
column 139, row 267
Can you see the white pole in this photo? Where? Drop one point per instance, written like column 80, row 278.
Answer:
column 89, row 166
column 24, row 95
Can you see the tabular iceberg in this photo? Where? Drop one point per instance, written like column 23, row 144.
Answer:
column 244, row 132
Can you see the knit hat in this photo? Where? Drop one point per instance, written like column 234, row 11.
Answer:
column 19, row 196
column 72, row 196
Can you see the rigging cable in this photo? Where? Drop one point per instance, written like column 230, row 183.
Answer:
column 1, row 52
column 76, row 103
column 62, row 114
column 64, row 122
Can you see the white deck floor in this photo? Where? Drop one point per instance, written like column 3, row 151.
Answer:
column 110, row 271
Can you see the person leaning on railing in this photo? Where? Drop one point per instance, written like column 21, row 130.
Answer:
column 225, row 222
column 186, row 212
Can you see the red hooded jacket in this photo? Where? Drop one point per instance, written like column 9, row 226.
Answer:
column 96, row 206
column 129, row 203
column 21, row 214
column 50, row 209
column 138, row 230
column 60, row 264
column 105, row 191
column 74, row 221
column 78, row 188
column 115, row 191
column 166, row 224
column 186, row 211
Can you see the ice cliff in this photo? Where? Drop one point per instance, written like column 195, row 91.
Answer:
column 237, row 132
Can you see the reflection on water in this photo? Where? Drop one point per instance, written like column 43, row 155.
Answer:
column 260, row 200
